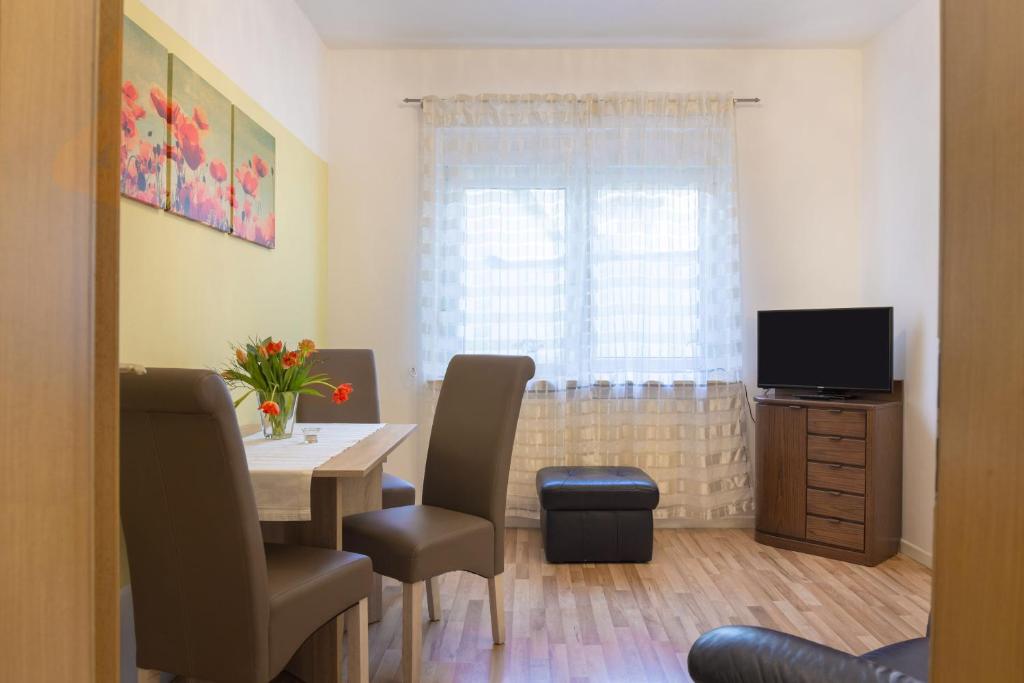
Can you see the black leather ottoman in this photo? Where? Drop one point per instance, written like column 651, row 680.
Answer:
column 597, row 514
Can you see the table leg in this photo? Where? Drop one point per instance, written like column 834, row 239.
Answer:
column 319, row 659
column 363, row 495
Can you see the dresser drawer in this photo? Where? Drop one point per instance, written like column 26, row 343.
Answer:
column 834, row 476
column 836, row 422
column 835, row 532
column 839, row 449
column 835, row 504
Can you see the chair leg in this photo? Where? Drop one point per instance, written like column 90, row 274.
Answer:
column 496, row 592
column 433, row 599
column 357, row 619
column 412, row 631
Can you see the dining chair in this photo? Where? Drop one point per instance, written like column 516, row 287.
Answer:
column 461, row 523
column 358, row 367
column 211, row 600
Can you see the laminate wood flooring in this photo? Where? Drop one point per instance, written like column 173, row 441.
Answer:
column 623, row 622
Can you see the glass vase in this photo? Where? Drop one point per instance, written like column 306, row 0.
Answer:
column 279, row 426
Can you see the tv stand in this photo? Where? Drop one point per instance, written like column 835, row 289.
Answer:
column 829, row 474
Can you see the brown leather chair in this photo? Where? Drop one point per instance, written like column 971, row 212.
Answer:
column 461, row 523
column 212, row 601
column 363, row 406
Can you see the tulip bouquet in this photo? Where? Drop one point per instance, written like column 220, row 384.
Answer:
column 278, row 376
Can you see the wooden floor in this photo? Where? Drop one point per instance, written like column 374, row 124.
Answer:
column 636, row 622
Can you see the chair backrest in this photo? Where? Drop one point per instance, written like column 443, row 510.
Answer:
column 471, row 440
column 195, row 550
column 356, row 366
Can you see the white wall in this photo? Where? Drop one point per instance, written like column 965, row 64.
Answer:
column 268, row 48
column 799, row 168
column 901, row 236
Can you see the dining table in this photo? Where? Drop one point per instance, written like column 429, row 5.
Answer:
column 348, row 481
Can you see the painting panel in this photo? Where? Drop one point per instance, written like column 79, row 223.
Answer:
column 199, row 149
column 253, row 217
column 144, row 132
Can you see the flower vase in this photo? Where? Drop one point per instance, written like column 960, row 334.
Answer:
column 279, row 426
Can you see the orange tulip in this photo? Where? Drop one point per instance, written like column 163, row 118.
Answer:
column 306, row 346
column 290, row 359
column 341, row 393
column 270, row 408
column 242, row 356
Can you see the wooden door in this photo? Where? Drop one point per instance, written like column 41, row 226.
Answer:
column 59, row 105
column 781, row 470
column 978, row 593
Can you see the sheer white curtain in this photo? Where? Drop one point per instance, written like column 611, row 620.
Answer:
column 599, row 236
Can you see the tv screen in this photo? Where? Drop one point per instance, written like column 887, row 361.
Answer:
column 836, row 348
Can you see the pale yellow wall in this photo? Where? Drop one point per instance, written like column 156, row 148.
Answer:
column 187, row 291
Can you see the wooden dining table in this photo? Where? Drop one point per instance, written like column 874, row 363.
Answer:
column 347, row 483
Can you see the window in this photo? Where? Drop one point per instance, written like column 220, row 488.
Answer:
column 606, row 250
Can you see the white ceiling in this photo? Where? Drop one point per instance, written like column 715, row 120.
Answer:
column 600, row 23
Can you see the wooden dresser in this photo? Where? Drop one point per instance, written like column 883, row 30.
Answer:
column 829, row 475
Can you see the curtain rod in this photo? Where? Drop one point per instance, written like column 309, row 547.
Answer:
column 736, row 100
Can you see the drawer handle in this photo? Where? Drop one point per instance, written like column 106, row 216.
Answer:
column 836, row 466
column 835, row 438
column 795, row 407
column 836, row 411
column 835, row 521
column 835, row 493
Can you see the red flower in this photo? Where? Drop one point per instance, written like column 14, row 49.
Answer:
column 270, row 408
column 127, row 124
column 190, row 146
column 290, row 359
column 129, row 91
column 138, row 112
column 250, row 183
column 261, row 166
column 199, row 116
column 341, row 393
column 218, row 171
column 274, row 347
column 159, row 98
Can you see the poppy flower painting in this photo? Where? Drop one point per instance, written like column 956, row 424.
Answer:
column 253, row 182
column 199, row 118
column 143, row 129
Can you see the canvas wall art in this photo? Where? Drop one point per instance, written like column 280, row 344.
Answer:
column 253, row 177
column 143, row 117
column 199, row 149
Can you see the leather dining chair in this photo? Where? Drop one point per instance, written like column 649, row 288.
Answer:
column 211, row 600
column 363, row 406
column 461, row 523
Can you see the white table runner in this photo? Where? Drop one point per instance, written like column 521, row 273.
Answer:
column 282, row 470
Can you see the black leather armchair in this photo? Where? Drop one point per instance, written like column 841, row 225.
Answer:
column 748, row 654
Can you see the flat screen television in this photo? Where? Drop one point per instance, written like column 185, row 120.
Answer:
column 833, row 350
